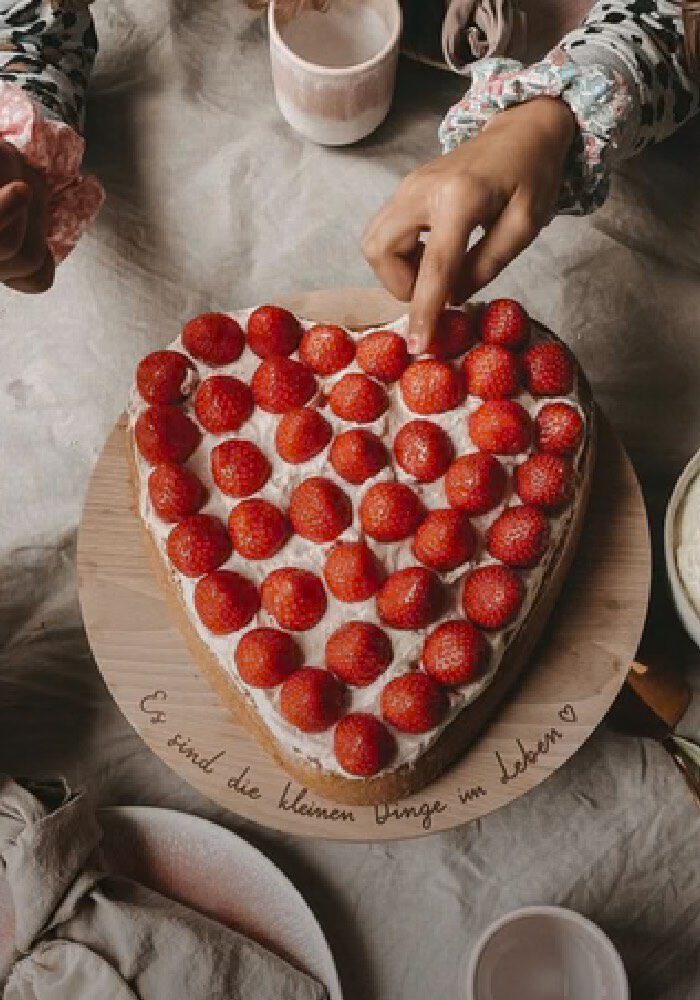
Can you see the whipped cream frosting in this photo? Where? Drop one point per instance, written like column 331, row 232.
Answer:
column 317, row 748
column 688, row 542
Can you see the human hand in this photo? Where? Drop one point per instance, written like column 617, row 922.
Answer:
column 26, row 263
column 507, row 179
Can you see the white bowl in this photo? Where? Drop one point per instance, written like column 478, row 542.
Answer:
column 545, row 953
column 684, row 605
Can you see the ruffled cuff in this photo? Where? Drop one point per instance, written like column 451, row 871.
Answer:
column 55, row 150
column 598, row 97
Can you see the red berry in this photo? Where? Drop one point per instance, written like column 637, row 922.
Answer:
column 492, row 595
column 214, row 338
column 414, row 703
column 282, row 384
column 258, row 529
column 273, row 330
column 518, row 536
column 501, row 426
column 239, row 467
column 165, row 377
column 383, row 354
column 455, row 653
column 319, row 510
column 326, row 349
column 492, row 372
column 505, row 323
column 445, row 540
column 558, row 428
column 198, row 544
column 423, row 450
column 357, row 455
column 429, row 386
column 294, row 597
column 311, row 699
column 410, row 598
column 225, row 601
column 223, row 403
column 164, row 434
column 175, row 491
column 358, row 398
column 475, row 483
column 549, row 370
column 353, row 572
column 265, row 657
column 454, row 334
column 545, row 480
column 362, row 744
column 301, row 434
column 358, row 652
column 390, row 512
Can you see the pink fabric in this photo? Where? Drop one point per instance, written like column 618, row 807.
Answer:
column 55, row 150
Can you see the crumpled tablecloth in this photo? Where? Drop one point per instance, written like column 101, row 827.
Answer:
column 214, row 202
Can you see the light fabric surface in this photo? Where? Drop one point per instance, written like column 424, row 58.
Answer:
column 214, row 202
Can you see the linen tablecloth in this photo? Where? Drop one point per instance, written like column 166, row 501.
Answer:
column 214, row 202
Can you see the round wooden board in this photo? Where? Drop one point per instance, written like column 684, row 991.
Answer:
column 569, row 685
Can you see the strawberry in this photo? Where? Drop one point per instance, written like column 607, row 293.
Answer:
column 454, row 334
column 410, row 598
column 257, row 528
column 414, row 703
column 265, row 657
column 301, row 434
column 492, row 372
column 164, row 434
column 501, row 426
column 311, row 699
column 505, row 323
column 353, row 572
column 362, row 744
column 475, row 483
column 282, row 384
column 175, row 491
column 383, row 354
column 223, row 403
column 198, row 544
column 545, row 481
column 518, row 536
column 357, row 456
column 319, row 510
column 326, row 349
column 358, row 398
column 390, row 511
column 430, row 386
column 549, row 370
column 492, row 595
column 225, row 601
column 445, row 540
column 239, row 467
column 165, row 377
column 423, row 450
column 558, row 428
column 358, row 652
column 272, row 330
column 455, row 653
column 294, row 597
column 214, row 338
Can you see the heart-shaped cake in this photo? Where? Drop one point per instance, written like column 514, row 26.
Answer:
column 362, row 547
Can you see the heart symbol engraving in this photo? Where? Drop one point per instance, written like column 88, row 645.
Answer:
column 567, row 713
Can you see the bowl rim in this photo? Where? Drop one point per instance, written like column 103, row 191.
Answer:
column 561, row 913
column 686, row 611
column 338, row 71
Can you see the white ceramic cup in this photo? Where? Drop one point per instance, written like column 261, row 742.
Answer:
column 545, row 953
column 334, row 70
column 684, row 606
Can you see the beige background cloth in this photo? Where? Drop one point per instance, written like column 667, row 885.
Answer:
column 213, row 202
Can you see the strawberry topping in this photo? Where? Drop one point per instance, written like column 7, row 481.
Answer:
column 214, row 338
column 358, row 653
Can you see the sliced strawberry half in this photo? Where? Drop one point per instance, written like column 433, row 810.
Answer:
column 265, row 657
column 311, row 700
column 362, row 744
column 358, row 653
column 423, row 450
column 198, row 544
column 353, row 572
column 430, row 386
column 390, row 512
column 445, row 540
column 223, row 403
column 214, row 338
column 414, row 703
column 319, row 510
column 383, row 355
column 225, row 601
column 165, row 377
column 273, row 331
column 164, row 434
column 455, row 653
column 294, row 597
column 410, row 598
column 492, row 596
column 239, row 467
column 326, row 349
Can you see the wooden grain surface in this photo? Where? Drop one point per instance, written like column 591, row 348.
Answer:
column 573, row 678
